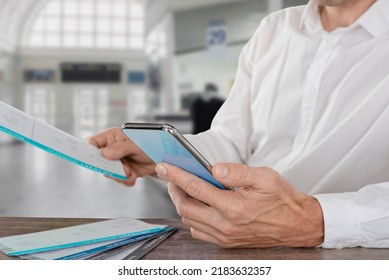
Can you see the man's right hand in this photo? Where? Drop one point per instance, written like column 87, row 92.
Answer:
column 116, row 146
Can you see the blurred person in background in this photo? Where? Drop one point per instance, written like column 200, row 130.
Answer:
column 204, row 108
column 303, row 135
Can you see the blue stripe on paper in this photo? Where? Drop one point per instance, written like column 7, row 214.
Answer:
column 61, row 155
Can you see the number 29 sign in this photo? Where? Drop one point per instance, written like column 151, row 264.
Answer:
column 217, row 33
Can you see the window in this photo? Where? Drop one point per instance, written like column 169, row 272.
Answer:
column 112, row 24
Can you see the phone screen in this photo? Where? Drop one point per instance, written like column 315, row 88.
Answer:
column 161, row 146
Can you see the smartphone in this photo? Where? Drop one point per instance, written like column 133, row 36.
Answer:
column 164, row 143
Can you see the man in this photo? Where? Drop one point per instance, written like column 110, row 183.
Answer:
column 204, row 108
column 310, row 102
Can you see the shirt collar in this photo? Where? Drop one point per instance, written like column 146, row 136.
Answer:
column 311, row 17
column 375, row 20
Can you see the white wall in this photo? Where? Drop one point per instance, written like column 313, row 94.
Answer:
column 241, row 20
column 193, row 70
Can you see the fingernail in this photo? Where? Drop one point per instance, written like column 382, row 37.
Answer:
column 161, row 170
column 221, row 171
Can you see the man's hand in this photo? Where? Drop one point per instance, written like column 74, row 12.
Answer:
column 116, row 146
column 265, row 211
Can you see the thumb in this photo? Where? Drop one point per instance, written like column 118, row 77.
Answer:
column 117, row 150
column 234, row 175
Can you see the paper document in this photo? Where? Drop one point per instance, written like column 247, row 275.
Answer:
column 148, row 246
column 24, row 127
column 124, row 253
column 43, row 241
column 137, row 251
column 56, row 254
column 82, row 252
column 113, row 245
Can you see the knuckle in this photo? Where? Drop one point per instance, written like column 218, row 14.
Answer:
column 238, row 210
column 186, row 222
column 224, row 242
column 182, row 210
column 194, row 233
column 197, row 234
column 111, row 138
column 193, row 188
column 269, row 175
column 242, row 174
column 179, row 211
column 170, row 188
column 233, row 212
column 120, row 149
column 228, row 229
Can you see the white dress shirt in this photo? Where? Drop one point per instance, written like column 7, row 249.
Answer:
column 313, row 105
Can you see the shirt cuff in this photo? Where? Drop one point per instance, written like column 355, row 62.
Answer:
column 341, row 222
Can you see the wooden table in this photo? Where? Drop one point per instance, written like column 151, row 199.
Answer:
column 181, row 246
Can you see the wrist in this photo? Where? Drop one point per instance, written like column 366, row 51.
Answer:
column 313, row 221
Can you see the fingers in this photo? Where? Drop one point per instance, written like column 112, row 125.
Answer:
column 131, row 175
column 241, row 176
column 203, row 236
column 129, row 182
column 113, row 143
column 196, row 187
column 118, row 150
column 193, row 209
column 106, row 137
column 219, row 240
column 200, row 227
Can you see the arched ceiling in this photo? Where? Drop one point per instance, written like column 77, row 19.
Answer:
column 14, row 15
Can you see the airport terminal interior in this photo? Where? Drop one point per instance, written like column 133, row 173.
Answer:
column 86, row 65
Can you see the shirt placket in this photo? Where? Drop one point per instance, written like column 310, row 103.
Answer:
column 311, row 92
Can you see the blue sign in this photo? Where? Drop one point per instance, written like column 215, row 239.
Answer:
column 32, row 75
column 136, row 77
column 217, row 33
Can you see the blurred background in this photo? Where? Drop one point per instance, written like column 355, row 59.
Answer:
column 85, row 65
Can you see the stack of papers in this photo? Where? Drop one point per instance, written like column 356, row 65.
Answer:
column 124, row 238
column 50, row 139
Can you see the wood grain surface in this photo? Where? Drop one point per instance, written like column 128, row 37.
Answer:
column 181, row 246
